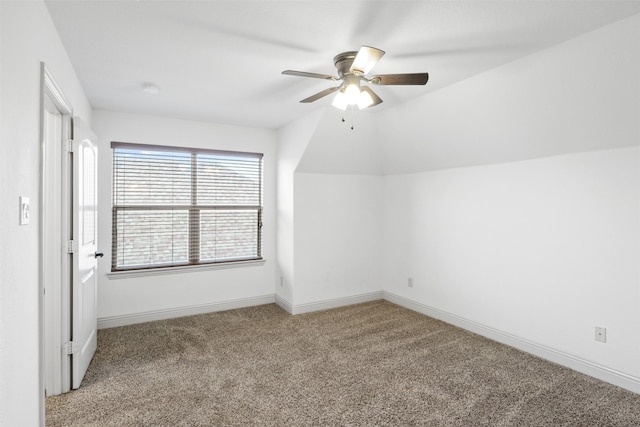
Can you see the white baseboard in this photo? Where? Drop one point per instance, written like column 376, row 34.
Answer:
column 150, row 316
column 595, row 370
column 284, row 304
column 335, row 303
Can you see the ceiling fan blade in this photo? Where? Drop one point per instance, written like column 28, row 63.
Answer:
column 401, row 79
column 376, row 99
column 366, row 59
column 320, row 94
column 305, row 74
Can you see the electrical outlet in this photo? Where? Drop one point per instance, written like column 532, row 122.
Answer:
column 281, row 281
column 410, row 282
column 601, row 334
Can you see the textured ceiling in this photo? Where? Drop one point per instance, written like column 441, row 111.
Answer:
column 221, row 61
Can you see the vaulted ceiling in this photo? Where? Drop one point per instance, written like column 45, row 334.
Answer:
column 221, row 61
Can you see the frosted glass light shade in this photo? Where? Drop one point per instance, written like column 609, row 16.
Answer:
column 340, row 101
column 352, row 94
column 364, row 100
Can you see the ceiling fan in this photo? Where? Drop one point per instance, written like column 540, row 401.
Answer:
column 353, row 68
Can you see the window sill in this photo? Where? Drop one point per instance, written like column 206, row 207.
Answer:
column 115, row 275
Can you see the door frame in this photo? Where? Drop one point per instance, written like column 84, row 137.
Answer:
column 56, row 304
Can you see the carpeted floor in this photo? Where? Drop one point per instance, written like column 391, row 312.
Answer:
column 364, row 365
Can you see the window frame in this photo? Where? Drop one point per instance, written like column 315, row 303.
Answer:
column 193, row 208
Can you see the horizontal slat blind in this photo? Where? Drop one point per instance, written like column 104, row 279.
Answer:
column 176, row 206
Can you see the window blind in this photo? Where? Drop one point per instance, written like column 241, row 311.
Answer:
column 177, row 206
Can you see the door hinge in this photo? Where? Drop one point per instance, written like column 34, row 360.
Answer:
column 70, row 347
column 70, row 146
column 71, row 246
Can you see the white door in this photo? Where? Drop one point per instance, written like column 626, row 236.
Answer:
column 84, row 277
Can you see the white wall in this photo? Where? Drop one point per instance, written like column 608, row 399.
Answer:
column 28, row 37
column 292, row 142
column 174, row 294
column 333, row 193
column 337, row 237
column 329, row 211
column 544, row 249
column 1, row 214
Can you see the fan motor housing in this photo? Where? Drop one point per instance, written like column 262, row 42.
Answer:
column 343, row 62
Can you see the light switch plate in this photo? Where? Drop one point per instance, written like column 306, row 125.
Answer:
column 25, row 210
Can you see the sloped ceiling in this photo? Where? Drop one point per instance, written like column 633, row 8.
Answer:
column 580, row 95
column 221, row 61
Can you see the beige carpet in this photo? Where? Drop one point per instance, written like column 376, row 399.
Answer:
column 363, row 365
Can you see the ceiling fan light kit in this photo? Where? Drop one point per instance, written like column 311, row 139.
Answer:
column 352, row 69
column 352, row 95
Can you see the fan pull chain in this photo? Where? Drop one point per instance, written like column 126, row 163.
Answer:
column 351, row 108
column 350, row 116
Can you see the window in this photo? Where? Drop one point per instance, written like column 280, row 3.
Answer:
column 178, row 206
